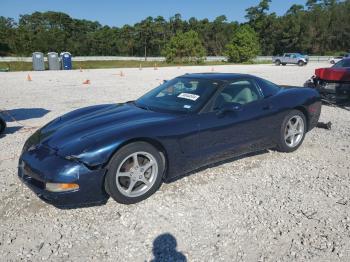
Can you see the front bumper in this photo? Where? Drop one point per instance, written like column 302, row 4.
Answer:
column 41, row 165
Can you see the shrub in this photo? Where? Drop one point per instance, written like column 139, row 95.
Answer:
column 244, row 45
column 185, row 48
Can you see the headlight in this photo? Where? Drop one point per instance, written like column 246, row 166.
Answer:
column 61, row 187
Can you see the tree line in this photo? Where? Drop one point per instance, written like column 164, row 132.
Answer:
column 318, row 27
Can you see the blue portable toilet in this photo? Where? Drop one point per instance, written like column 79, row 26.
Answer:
column 66, row 60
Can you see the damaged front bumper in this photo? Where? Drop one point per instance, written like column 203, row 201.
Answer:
column 41, row 166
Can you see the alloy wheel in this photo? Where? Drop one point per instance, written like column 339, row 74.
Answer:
column 136, row 174
column 294, row 131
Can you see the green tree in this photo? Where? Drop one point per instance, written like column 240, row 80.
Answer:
column 6, row 31
column 185, row 47
column 244, row 45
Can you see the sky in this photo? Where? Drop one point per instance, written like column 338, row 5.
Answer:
column 119, row 13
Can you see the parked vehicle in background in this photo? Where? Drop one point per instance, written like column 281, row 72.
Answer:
column 291, row 58
column 2, row 125
column 333, row 83
column 336, row 59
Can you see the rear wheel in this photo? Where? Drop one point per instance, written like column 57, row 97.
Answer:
column 292, row 131
column 301, row 63
column 277, row 62
column 134, row 173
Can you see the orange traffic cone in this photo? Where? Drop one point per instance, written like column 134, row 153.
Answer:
column 86, row 82
column 140, row 68
column 81, row 70
column 29, row 77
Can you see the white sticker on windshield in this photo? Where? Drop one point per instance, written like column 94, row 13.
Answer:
column 187, row 106
column 188, row 96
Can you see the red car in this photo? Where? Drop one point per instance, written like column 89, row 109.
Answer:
column 333, row 83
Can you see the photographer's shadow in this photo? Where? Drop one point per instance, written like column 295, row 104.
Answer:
column 164, row 249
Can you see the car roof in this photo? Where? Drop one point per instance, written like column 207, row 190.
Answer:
column 218, row 76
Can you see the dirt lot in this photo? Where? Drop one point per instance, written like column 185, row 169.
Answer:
column 267, row 207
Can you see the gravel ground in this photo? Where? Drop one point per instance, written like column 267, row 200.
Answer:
column 267, row 207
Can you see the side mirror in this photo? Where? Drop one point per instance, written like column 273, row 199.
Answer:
column 230, row 107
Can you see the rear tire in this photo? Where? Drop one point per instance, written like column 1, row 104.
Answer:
column 301, row 63
column 292, row 131
column 134, row 173
column 277, row 62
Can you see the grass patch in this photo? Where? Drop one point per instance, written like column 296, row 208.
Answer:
column 27, row 66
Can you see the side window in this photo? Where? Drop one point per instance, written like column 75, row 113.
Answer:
column 268, row 88
column 241, row 92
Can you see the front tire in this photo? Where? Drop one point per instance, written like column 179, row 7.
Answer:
column 292, row 131
column 134, row 173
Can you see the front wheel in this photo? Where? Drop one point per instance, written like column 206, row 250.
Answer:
column 134, row 173
column 292, row 131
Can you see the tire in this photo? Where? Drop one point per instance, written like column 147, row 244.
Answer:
column 301, row 63
column 277, row 62
column 285, row 143
column 129, row 182
column 2, row 126
column 284, row 64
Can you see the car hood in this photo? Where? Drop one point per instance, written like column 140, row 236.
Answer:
column 88, row 128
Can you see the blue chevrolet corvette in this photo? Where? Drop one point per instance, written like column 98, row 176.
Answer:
column 127, row 150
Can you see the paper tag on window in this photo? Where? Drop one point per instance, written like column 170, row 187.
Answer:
column 187, row 106
column 188, row 96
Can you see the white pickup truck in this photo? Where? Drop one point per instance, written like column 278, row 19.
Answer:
column 291, row 58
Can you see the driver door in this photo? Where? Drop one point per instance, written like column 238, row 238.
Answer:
column 226, row 134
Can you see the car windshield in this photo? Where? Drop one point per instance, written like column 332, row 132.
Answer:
column 342, row 63
column 182, row 94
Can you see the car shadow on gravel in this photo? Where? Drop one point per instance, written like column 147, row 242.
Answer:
column 11, row 130
column 164, row 249
column 20, row 114
column 261, row 152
